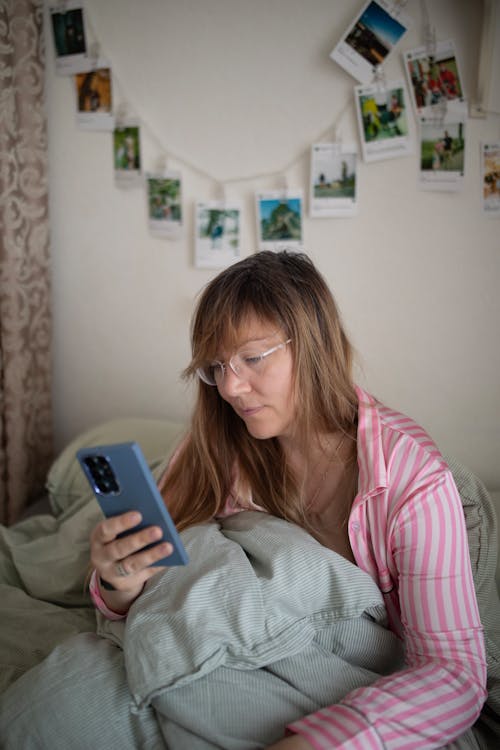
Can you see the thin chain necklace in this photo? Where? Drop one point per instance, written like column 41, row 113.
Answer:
column 334, row 454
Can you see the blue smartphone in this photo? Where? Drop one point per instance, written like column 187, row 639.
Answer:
column 122, row 481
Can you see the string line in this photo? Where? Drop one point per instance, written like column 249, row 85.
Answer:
column 153, row 136
column 429, row 36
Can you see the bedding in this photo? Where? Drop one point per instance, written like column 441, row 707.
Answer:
column 44, row 559
column 263, row 625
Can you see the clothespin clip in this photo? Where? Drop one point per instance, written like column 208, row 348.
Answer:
column 283, row 187
column 430, row 42
column 220, row 192
column 94, row 53
column 337, row 138
column 121, row 115
column 399, row 5
column 379, row 79
column 439, row 111
column 161, row 164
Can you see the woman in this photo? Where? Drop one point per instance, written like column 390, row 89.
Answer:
column 279, row 425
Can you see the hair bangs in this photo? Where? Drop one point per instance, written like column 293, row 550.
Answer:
column 222, row 311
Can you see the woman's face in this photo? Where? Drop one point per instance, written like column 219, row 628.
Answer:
column 263, row 399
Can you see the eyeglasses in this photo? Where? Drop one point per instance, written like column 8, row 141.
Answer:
column 244, row 363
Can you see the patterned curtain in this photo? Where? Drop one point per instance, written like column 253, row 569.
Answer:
column 25, row 320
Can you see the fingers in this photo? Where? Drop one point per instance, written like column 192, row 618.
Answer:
column 106, row 551
column 132, row 543
column 130, row 573
column 136, row 563
column 107, row 530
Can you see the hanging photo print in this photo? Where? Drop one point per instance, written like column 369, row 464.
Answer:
column 217, row 239
column 371, row 38
column 94, row 99
column 442, row 153
column 164, row 203
column 279, row 220
column 127, row 154
column 383, row 121
column 333, row 180
column 434, row 79
column 68, row 31
column 490, row 162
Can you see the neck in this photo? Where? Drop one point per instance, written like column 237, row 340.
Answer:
column 325, row 449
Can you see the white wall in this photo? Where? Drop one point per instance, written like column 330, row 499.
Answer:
column 237, row 88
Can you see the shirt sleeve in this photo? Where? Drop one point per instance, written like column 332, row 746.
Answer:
column 98, row 601
column 441, row 691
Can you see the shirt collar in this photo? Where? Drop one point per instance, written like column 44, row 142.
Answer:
column 371, row 459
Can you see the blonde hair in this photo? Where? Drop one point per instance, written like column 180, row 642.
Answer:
column 286, row 290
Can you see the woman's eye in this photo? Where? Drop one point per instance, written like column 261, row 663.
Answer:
column 251, row 359
column 216, row 369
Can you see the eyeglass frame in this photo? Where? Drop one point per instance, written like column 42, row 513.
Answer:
column 262, row 355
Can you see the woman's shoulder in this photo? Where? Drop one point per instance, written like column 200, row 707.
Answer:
column 395, row 433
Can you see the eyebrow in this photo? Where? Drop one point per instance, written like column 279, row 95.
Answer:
column 253, row 341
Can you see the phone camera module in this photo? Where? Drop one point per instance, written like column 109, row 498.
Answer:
column 102, row 474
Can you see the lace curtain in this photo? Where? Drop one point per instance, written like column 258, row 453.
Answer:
column 25, row 320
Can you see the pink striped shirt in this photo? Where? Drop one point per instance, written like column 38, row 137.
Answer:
column 407, row 530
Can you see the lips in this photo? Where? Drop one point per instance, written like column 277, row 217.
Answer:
column 250, row 411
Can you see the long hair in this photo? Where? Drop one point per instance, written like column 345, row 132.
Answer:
column 286, row 290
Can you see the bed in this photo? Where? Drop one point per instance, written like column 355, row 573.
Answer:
column 270, row 640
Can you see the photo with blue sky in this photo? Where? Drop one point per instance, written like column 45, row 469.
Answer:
column 381, row 23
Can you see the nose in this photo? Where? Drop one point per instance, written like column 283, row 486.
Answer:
column 233, row 385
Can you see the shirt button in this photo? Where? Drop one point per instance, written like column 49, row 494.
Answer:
column 355, row 526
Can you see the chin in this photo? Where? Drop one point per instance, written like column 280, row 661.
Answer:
column 263, row 432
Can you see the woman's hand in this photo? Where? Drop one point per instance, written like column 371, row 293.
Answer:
column 124, row 563
column 295, row 742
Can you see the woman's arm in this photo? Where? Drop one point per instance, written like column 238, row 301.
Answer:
column 111, row 593
column 442, row 691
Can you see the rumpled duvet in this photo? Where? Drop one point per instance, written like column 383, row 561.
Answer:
column 262, row 626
